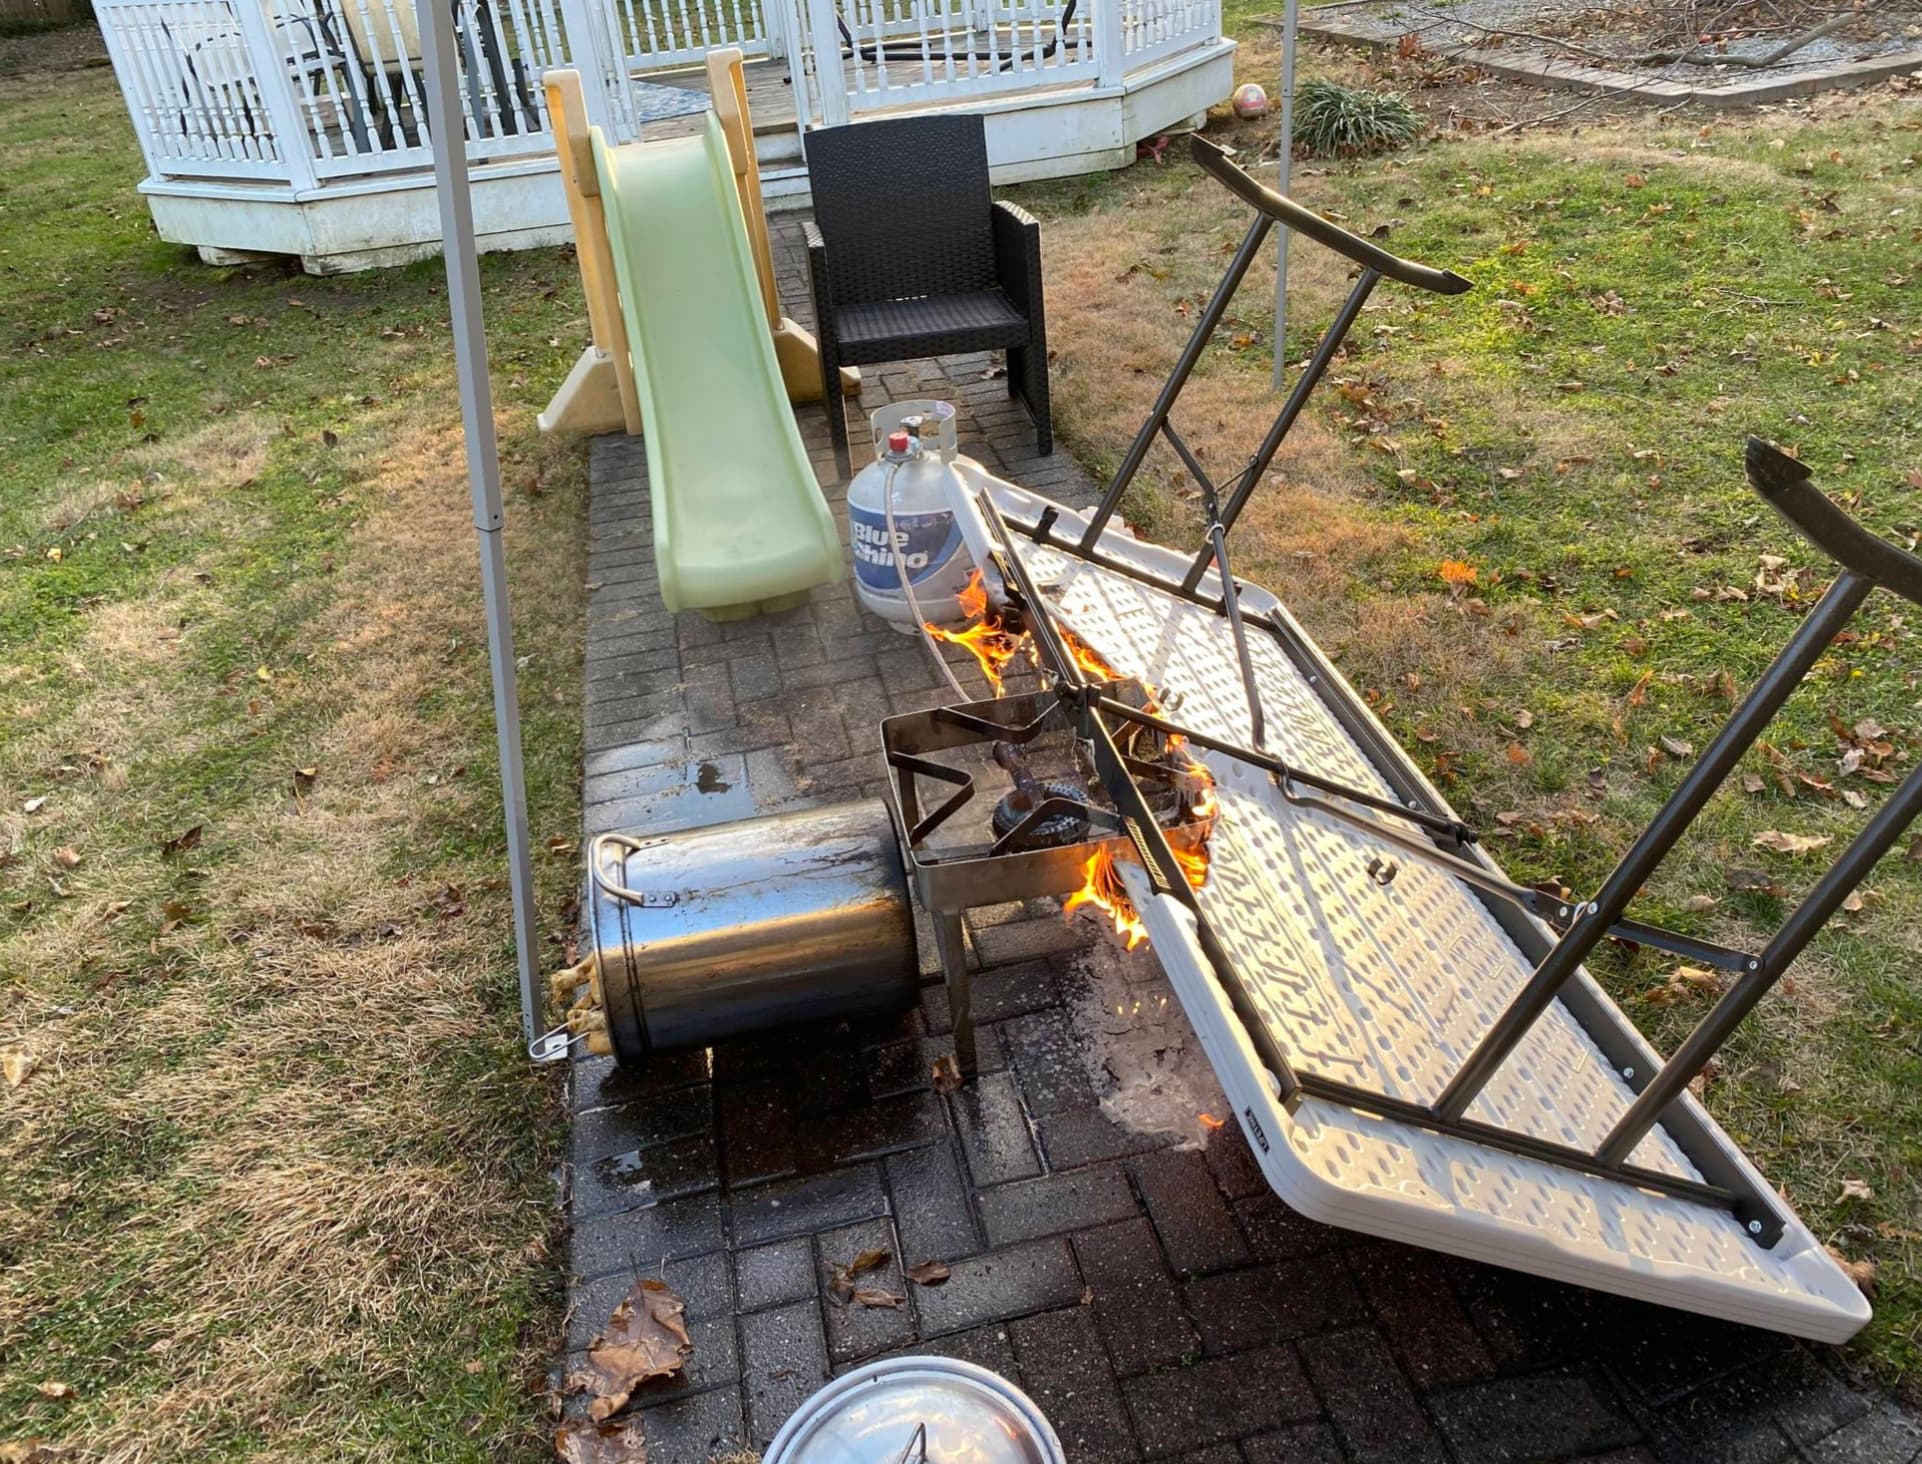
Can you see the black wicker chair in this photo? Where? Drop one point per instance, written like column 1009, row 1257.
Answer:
column 910, row 257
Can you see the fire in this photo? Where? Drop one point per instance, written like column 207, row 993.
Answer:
column 1103, row 889
column 1085, row 656
column 991, row 645
column 974, row 597
column 1194, row 864
column 1202, row 802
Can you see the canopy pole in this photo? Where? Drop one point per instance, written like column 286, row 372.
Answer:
column 1291, row 14
column 447, row 129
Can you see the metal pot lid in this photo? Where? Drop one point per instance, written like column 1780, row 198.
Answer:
column 907, row 1410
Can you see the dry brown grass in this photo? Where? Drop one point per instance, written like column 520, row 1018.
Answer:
column 303, row 1087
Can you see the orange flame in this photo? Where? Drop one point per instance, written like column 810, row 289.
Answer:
column 974, row 597
column 1085, row 656
column 1103, row 889
column 1202, row 802
column 991, row 645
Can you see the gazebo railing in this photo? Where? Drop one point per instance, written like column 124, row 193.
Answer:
column 863, row 56
column 656, row 34
column 305, row 91
column 310, row 93
column 1151, row 29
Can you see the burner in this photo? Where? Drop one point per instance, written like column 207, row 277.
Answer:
column 1062, row 828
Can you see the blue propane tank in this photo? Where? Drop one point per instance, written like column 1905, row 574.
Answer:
column 912, row 474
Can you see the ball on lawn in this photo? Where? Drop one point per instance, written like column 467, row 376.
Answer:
column 1250, row 101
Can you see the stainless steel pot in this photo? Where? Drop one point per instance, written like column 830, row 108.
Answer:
column 917, row 1410
column 733, row 928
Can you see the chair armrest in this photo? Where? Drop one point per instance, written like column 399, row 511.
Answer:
column 817, row 248
column 1017, row 254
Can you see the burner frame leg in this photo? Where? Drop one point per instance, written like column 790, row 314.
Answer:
column 952, row 945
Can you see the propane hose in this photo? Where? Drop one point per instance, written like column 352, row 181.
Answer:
column 907, row 586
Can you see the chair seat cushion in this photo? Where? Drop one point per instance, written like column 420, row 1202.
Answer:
column 932, row 325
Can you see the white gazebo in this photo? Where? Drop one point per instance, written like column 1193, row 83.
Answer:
column 299, row 127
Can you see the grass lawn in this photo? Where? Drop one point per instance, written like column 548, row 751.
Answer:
column 1647, row 291
column 278, row 1182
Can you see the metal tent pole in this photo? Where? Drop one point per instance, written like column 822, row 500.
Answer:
column 435, row 19
column 1285, row 166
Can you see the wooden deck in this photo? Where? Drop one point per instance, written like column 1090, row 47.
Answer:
column 770, row 98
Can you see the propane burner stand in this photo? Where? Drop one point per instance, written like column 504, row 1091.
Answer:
column 1030, row 859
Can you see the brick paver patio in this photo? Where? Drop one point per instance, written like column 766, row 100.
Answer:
column 1157, row 1301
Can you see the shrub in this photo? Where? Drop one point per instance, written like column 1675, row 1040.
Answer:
column 1345, row 121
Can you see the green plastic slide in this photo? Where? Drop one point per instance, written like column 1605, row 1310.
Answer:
column 739, row 521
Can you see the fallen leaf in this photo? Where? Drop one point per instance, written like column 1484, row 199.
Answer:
column 620, row 1442
column 1752, row 783
column 879, row 1298
column 54, row 1388
column 67, row 857
column 305, row 778
column 34, row 805
column 1676, row 747
column 644, row 1338
column 841, row 1286
column 1517, row 754
column 1781, row 843
column 928, row 1273
column 1856, row 1189
column 947, row 1074
column 181, row 843
column 1699, row 904
column 17, row 1065
column 1861, row 1272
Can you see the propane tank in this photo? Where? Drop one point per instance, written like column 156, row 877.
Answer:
column 912, row 474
